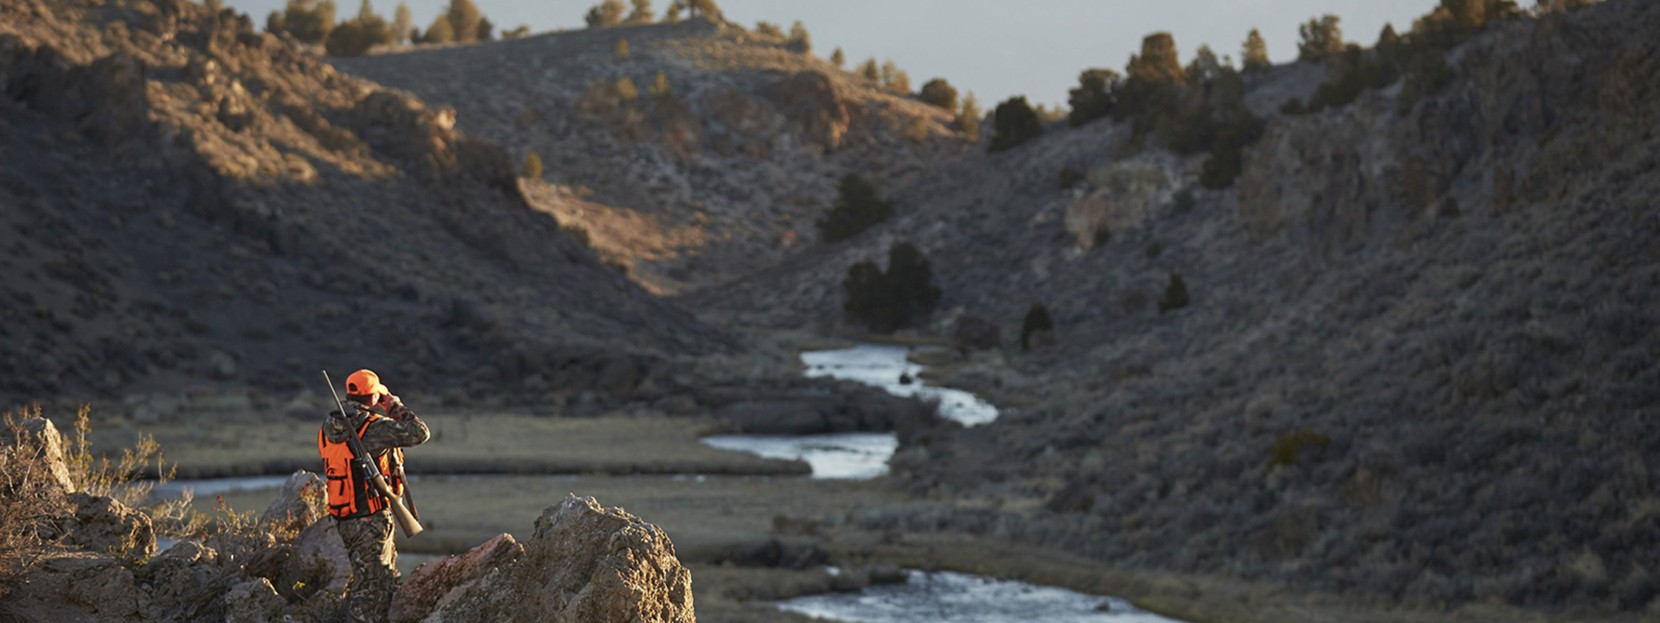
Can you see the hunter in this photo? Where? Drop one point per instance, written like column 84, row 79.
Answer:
column 362, row 516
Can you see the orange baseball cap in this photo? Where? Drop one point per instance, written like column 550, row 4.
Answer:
column 365, row 383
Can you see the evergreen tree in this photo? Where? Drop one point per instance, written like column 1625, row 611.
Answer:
column 858, row 207
column 886, row 301
column 672, row 15
column 1014, row 122
column 1158, row 62
column 890, row 70
column 901, row 82
column 870, row 72
column 706, row 9
column 1320, row 38
column 968, row 119
column 1093, row 99
column 308, row 20
column 642, row 13
column 799, row 40
column 440, row 31
column 1037, row 319
column 354, row 37
column 1388, row 41
column 605, row 14
column 939, row 93
column 837, row 58
column 621, row 49
column 464, row 18
column 402, row 23
column 1255, row 54
column 486, row 30
column 660, row 86
column 275, row 24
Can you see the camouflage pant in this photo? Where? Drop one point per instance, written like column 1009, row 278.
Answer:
column 374, row 566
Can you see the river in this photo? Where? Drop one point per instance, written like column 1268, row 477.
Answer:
column 860, row 456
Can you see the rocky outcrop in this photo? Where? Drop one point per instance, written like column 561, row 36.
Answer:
column 584, row 563
column 422, row 590
column 103, row 524
column 300, row 502
column 48, row 446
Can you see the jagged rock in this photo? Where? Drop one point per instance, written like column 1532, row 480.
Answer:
column 319, row 559
column 430, row 582
column 40, row 432
column 300, row 502
column 584, row 563
column 253, row 601
column 105, row 525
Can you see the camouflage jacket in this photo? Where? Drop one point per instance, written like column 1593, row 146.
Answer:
column 404, row 429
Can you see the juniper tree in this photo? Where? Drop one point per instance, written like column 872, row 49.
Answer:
column 533, row 166
column 1320, row 38
column 869, row 71
column 464, row 18
column 799, row 40
column 1014, row 122
column 1093, row 99
column 605, row 14
column 838, row 58
column 858, row 207
column 1254, row 56
column 939, row 93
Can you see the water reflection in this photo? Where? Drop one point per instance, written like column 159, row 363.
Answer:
column 832, row 456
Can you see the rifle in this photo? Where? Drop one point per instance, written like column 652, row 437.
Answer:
column 401, row 515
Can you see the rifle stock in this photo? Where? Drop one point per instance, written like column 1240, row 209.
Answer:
column 400, row 514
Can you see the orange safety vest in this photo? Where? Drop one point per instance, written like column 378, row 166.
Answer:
column 350, row 495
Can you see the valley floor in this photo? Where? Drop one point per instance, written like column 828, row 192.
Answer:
column 754, row 538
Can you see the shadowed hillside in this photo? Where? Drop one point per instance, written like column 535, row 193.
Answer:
column 1418, row 354
column 190, row 203
column 714, row 160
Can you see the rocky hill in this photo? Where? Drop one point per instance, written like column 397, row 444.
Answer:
column 713, row 161
column 1418, row 359
column 191, row 203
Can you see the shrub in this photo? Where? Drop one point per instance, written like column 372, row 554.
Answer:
column 769, row 30
column 1093, row 99
column 869, row 71
column 519, row 32
column 354, row 37
column 621, row 50
column 307, row 20
column 1320, row 38
column 660, row 86
column 626, row 89
column 1175, row 294
column 28, row 500
column 1037, row 319
column 1014, row 123
column 605, row 14
column 858, row 207
column 642, row 13
column 968, row 118
column 838, row 58
column 938, row 92
column 886, row 301
column 1290, row 445
column 532, row 168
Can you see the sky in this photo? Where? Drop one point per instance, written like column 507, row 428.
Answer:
column 995, row 48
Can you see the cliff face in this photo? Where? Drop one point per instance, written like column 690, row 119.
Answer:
column 715, row 172
column 192, row 203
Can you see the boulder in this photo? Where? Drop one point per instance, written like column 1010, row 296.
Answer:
column 253, row 601
column 299, row 504
column 74, row 586
column 40, row 432
column 584, row 563
column 430, row 582
column 105, row 525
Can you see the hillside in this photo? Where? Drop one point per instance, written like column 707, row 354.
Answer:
column 1419, row 359
column 190, row 204
column 721, row 174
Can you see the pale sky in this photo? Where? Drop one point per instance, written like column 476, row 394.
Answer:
column 996, row 48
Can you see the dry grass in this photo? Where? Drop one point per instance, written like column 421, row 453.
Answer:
column 28, row 499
